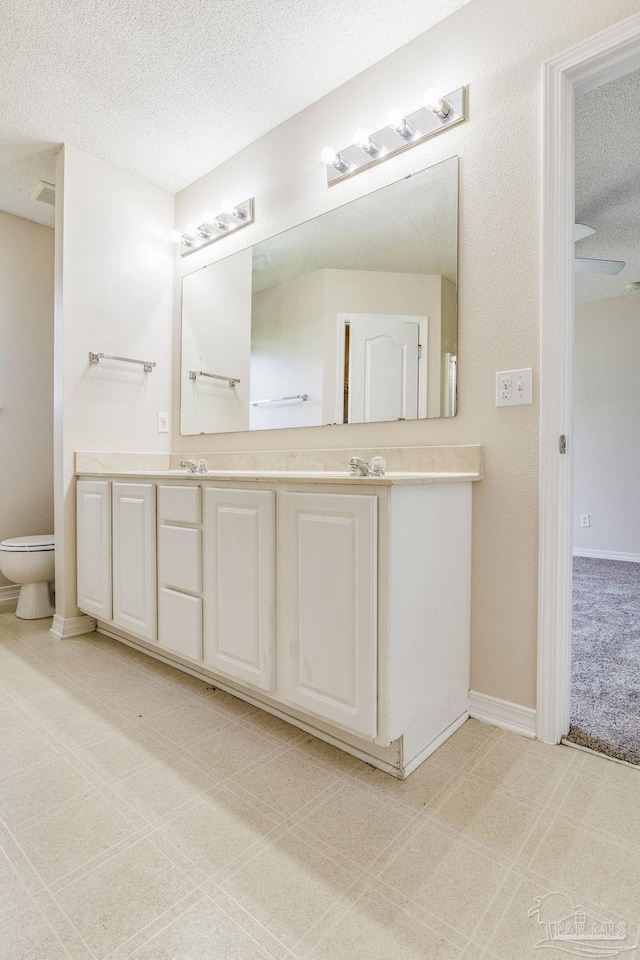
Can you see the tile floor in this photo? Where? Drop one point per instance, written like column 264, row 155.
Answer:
column 145, row 815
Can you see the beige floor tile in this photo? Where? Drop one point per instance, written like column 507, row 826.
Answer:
column 122, row 753
column 118, row 899
column 218, row 830
column 420, row 791
column 118, row 682
column 519, row 770
column 606, row 807
column 523, row 924
column 161, row 787
column 357, row 823
column 36, row 681
column 13, row 721
column 549, row 752
column 68, row 838
column 29, row 937
column 23, row 749
column 231, row 749
column 597, row 867
column 469, row 740
column 445, row 877
column 619, row 773
column 287, row 886
column 269, row 726
column 287, row 782
column 340, row 762
column 203, row 932
column 152, row 700
column 40, row 790
column 93, row 722
column 189, row 723
column 14, row 897
column 49, row 706
column 272, row 946
column 487, row 815
column 233, row 706
column 376, row 929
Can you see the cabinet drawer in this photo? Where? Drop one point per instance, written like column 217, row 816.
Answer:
column 180, row 623
column 179, row 504
column 180, row 558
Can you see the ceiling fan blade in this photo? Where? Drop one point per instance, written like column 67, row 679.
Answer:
column 610, row 267
column 581, row 230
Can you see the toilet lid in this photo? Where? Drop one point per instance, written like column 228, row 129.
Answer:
column 29, row 544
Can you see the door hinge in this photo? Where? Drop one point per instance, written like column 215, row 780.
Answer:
column 562, row 443
column 419, row 351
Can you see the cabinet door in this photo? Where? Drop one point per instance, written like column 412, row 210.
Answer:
column 94, row 547
column 134, row 558
column 239, row 560
column 327, row 596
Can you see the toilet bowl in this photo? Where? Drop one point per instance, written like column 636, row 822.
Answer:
column 29, row 561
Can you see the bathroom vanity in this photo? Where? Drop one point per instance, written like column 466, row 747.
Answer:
column 338, row 603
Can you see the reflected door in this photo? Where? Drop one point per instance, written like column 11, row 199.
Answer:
column 384, row 361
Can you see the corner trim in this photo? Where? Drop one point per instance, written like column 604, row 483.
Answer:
column 606, row 555
column 62, row 628
column 503, row 714
column 9, row 593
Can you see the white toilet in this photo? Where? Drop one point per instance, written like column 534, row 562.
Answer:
column 29, row 561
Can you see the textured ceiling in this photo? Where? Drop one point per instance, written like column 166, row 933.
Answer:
column 170, row 89
column 608, row 183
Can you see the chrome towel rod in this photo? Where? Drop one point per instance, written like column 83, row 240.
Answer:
column 214, row 376
column 298, row 396
column 147, row 364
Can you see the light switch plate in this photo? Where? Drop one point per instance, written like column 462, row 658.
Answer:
column 514, row 387
column 163, row 422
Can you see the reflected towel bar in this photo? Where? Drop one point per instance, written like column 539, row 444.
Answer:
column 214, row 376
column 147, row 364
column 298, row 396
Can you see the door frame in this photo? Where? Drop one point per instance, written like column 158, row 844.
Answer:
column 604, row 57
column 423, row 323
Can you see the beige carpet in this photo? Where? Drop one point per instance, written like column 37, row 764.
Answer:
column 605, row 675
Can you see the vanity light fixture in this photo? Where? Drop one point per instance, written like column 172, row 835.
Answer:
column 402, row 130
column 214, row 225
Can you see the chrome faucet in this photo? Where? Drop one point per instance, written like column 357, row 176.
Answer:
column 367, row 468
column 194, row 466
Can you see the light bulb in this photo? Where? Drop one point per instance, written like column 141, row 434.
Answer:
column 362, row 139
column 191, row 229
column 233, row 210
column 329, row 156
column 208, row 216
column 176, row 236
column 434, row 102
column 396, row 120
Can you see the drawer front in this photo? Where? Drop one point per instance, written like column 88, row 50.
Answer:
column 180, row 623
column 179, row 504
column 180, row 558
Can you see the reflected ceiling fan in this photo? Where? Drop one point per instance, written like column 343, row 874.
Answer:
column 589, row 265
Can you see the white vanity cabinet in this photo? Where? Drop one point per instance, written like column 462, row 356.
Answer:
column 341, row 606
column 327, row 607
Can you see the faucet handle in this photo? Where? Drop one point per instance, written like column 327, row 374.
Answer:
column 202, row 466
column 378, row 465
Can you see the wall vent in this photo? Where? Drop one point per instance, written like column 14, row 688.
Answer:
column 45, row 193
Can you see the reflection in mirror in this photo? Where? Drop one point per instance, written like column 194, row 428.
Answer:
column 348, row 318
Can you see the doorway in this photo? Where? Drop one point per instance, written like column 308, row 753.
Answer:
column 605, row 58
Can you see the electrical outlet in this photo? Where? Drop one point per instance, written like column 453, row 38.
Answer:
column 514, row 387
column 163, row 423
column 585, row 519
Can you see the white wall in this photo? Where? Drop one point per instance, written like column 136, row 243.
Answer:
column 113, row 294
column 497, row 48
column 26, row 378
column 606, row 436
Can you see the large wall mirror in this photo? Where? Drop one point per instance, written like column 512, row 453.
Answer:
column 347, row 318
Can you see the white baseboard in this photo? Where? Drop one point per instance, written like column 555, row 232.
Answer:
column 502, row 713
column 606, row 555
column 62, row 628
column 9, row 593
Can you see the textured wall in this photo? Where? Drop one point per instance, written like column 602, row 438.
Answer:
column 26, row 378
column 113, row 295
column 497, row 47
column 606, row 438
